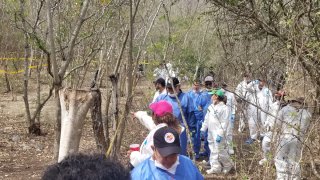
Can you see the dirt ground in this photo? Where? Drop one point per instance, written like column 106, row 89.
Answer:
column 24, row 156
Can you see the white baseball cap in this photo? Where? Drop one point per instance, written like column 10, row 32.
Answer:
column 208, row 78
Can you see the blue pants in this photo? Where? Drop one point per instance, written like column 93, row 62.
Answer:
column 196, row 139
column 206, row 144
column 183, row 142
column 197, row 144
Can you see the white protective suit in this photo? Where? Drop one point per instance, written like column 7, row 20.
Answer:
column 265, row 100
column 241, row 91
column 292, row 126
column 231, row 104
column 269, row 125
column 261, row 98
column 216, row 122
column 136, row 157
column 164, row 73
column 160, row 72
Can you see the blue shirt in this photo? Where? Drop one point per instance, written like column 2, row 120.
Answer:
column 148, row 171
column 183, row 98
column 207, row 101
column 197, row 104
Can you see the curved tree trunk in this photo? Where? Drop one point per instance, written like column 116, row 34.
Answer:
column 59, row 73
column 74, row 107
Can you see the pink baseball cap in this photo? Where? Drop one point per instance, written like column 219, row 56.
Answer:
column 160, row 108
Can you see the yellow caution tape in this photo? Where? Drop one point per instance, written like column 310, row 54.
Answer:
column 150, row 62
column 19, row 71
column 105, row 1
column 12, row 59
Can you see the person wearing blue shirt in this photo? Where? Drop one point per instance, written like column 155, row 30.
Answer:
column 184, row 101
column 196, row 105
column 166, row 163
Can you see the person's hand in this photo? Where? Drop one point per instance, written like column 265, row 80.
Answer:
column 232, row 118
column 218, row 139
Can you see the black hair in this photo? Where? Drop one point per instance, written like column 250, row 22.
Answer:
column 161, row 81
column 175, row 83
column 85, row 167
column 221, row 98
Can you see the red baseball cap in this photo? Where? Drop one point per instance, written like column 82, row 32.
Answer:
column 160, row 108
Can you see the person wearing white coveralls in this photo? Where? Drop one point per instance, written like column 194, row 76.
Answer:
column 269, row 125
column 231, row 104
column 216, row 122
column 164, row 71
column 259, row 96
column 292, row 126
column 241, row 92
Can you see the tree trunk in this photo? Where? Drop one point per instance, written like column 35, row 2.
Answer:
column 57, row 127
column 196, row 73
column 6, row 77
column 33, row 128
column 122, row 83
column 56, row 80
column 316, row 102
column 106, row 118
column 26, row 66
column 74, row 107
column 31, row 60
column 39, row 68
column 101, row 141
column 115, row 101
column 129, row 82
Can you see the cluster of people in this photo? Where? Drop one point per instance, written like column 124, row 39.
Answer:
column 273, row 119
column 209, row 113
column 203, row 111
